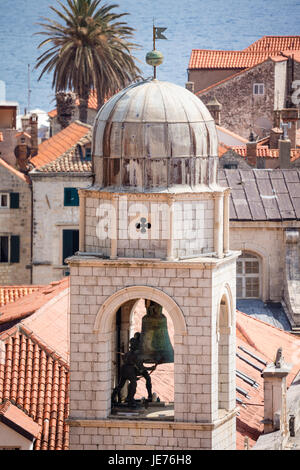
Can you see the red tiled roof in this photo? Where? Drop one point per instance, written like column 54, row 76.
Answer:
column 92, row 104
column 65, row 140
column 251, row 334
column 34, row 372
column 275, row 44
column 9, row 294
column 30, row 303
column 210, row 59
column 263, row 151
column 13, row 414
column 17, row 173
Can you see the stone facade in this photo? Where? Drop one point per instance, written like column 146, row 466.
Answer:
column 204, row 375
column 240, row 108
column 204, row 78
column 16, row 222
column 50, row 218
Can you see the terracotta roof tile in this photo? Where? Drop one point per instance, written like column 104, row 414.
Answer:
column 30, row 303
column 211, row 59
column 275, row 44
column 265, row 151
column 35, row 372
column 9, row 294
column 13, row 414
column 63, row 141
column 70, row 161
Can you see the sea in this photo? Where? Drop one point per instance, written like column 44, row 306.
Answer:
column 191, row 24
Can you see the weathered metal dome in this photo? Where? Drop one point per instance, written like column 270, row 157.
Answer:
column 154, row 135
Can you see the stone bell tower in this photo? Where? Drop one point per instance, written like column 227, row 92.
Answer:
column 154, row 226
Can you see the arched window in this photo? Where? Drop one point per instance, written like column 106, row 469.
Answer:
column 248, row 281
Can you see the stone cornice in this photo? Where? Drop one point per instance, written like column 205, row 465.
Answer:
column 180, row 196
column 196, row 263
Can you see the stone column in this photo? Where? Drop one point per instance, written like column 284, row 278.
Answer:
column 115, row 228
column 218, row 225
column 226, row 222
column 275, row 415
column 170, row 254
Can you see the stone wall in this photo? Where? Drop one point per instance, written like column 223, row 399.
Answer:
column 197, row 290
column 192, row 233
column 16, row 222
column 50, row 218
column 265, row 239
column 240, row 108
column 203, row 78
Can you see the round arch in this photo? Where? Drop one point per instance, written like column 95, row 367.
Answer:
column 106, row 314
column 225, row 315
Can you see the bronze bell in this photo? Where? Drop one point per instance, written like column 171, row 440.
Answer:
column 155, row 345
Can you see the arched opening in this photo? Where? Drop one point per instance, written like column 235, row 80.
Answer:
column 117, row 321
column 248, row 276
column 225, row 344
column 154, row 392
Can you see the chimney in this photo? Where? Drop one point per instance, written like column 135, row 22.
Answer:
column 275, row 409
column 65, row 104
column 251, row 146
column 190, row 86
column 214, row 107
column 34, row 134
column 284, row 152
column 275, row 134
column 22, row 152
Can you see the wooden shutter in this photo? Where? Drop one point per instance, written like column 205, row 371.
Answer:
column 71, row 197
column 14, row 200
column 15, row 249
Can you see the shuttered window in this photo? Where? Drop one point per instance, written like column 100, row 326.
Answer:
column 71, row 197
column 15, row 249
column 10, row 249
column 14, row 200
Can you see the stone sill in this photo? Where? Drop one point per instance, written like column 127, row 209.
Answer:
column 155, row 424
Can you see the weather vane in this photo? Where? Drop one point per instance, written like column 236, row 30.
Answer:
column 155, row 58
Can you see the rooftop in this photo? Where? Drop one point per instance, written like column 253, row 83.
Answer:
column 263, row 194
column 62, row 142
column 92, row 104
column 9, row 294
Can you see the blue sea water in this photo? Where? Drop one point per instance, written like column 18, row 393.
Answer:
column 207, row 24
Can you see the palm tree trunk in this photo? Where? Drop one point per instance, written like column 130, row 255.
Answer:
column 83, row 105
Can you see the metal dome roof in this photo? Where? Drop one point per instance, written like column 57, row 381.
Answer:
column 152, row 135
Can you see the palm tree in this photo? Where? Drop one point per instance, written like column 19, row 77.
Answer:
column 90, row 49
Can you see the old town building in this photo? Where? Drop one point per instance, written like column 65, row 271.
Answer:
column 61, row 167
column 251, row 86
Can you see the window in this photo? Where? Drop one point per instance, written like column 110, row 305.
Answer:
column 70, row 243
column 258, row 89
column 85, row 153
column 9, row 200
column 10, row 249
column 230, row 166
column 4, row 198
column 248, row 277
column 71, row 197
column 4, row 242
